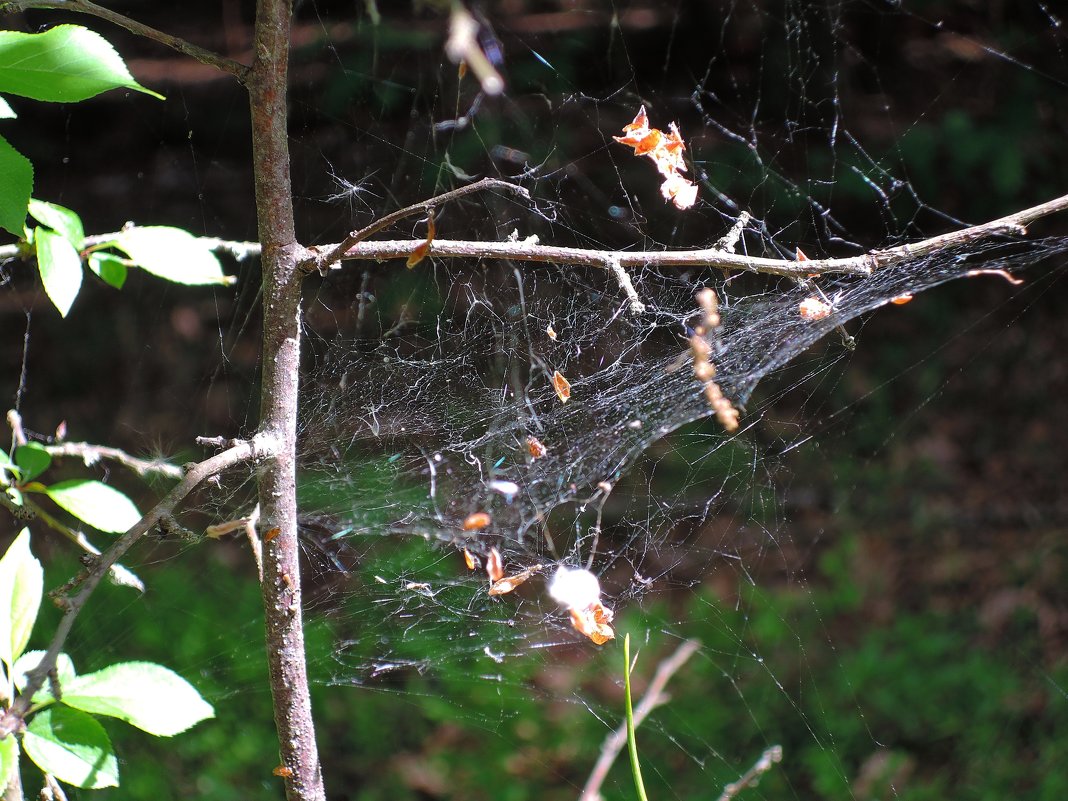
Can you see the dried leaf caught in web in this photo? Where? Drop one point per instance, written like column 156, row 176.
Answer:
column 470, row 560
column 505, row 585
column 562, row 387
column 535, row 448
column 423, row 248
column 901, row 300
column 476, row 521
column 813, row 309
column 665, row 150
column 494, row 568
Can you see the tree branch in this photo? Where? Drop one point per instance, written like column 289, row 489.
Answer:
column 90, row 454
column 280, row 359
column 227, row 65
column 335, row 253
column 260, row 446
column 654, row 697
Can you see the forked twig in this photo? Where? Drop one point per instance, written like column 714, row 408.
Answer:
column 335, row 253
column 90, row 454
column 654, row 697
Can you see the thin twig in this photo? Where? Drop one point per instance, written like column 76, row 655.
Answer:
column 90, row 454
column 750, row 778
column 119, row 574
column 227, row 65
column 259, row 446
column 14, row 420
column 654, row 697
column 335, row 253
column 729, row 241
column 635, row 303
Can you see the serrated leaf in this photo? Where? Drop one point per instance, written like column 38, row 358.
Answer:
column 9, row 759
column 16, row 185
column 6, row 113
column 32, row 459
column 65, row 673
column 62, row 65
column 72, row 747
column 101, row 506
column 109, row 267
column 60, row 219
column 61, row 269
column 172, row 254
column 144, row 694
column 21, row 587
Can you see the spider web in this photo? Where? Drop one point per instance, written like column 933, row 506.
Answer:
column 424, row 388
column 828, row 125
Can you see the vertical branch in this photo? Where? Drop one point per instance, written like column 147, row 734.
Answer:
column 278, row 405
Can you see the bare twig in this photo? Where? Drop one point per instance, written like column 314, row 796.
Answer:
column 222, row 63
column 752, row 776
column 90, row 454
column 635, row 303
column 261, row 445
column 14, row 420
column 119, row 574
column 729, row 241
column 334, row 253
column 654, row 697
column 52, row 791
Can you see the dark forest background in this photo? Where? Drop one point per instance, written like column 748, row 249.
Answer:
column 926, row 524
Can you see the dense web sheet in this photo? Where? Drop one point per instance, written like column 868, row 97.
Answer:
column 430, row 394
column 431, row 425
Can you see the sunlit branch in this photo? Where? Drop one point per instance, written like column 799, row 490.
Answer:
column 91, row 454
column 240, row 451
column 334, row 253
column 654, row 697
column 227, row 65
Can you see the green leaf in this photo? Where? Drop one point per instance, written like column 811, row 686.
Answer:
column 110, row 268
column 62, row 65
column 6, row 113
column 16, row 185
column 59, row 219
column 65, row 674
column 101, row 506
column 144, row 694
column 61, row 269
column 21, row 587
column 32, row 459
column 9, row 466
column 173, row 254
column 9, row 759
column 72, row 747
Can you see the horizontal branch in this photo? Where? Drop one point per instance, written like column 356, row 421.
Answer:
column 715, row 257
column 91, row 454
column 222, row 63
column 239, row 452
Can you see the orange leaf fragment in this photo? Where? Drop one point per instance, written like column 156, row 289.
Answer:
column 901, row 300
column 562, row 387
column 470, row 560
column 666, row 151
column 494, row 568
column 535, row 448
column 594, row 621
column 423, row 248
column 476, row 521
